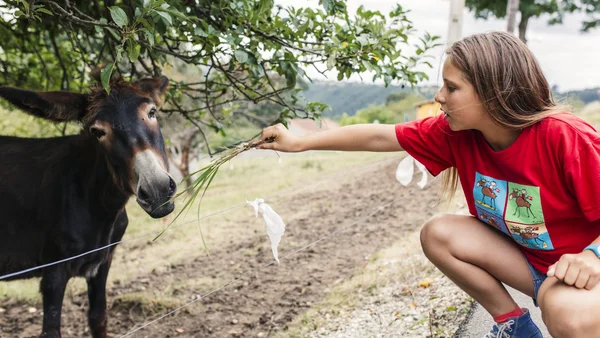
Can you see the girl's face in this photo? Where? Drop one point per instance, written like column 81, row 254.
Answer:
column 460, row 103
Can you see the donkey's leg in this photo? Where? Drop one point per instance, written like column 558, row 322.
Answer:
column 97, row 316
column 53, row 285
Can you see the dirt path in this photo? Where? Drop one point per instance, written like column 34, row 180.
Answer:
column 263, row 300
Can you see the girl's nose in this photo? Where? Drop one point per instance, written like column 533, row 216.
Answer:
column 439, row 98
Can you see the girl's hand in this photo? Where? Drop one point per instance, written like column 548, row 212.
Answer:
column 580, row 270
column 278, row 137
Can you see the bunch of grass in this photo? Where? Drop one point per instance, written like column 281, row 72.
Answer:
column 205, row 178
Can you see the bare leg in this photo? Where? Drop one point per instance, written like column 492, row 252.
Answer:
column 477, row 257
column 568, row 311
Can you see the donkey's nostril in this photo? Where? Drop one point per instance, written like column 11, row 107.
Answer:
column 172, row 187
column 142, row 195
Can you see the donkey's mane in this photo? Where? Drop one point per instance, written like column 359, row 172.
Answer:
column 98, row 94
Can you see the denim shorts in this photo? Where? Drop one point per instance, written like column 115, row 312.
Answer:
column 538, row 279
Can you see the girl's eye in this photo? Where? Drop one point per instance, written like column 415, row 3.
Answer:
column 451, row 89
column 152, row 113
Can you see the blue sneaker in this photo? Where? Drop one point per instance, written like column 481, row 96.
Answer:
column 518, row 327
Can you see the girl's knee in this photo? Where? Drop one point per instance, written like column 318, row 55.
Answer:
column 560, row 314
column 435, row 232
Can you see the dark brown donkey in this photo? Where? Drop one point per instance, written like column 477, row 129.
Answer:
column 63, row 196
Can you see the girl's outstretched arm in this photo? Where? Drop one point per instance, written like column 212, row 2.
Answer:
column 358, row 137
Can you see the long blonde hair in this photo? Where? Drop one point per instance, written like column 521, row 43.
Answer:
column 509, row 82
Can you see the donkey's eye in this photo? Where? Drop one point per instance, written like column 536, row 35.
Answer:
column 152, row 113
column 98, row 133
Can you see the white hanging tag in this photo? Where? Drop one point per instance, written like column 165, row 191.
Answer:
column 273, row 223
column 405, row 170
column 423, row 182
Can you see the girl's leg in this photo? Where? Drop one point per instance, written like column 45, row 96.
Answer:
column 568, row 311
column 477, row 257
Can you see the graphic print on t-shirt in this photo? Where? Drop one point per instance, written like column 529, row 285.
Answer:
column 514, row 209
column 493, row 220
column 490, row 194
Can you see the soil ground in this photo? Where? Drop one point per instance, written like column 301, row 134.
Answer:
column 258, row 301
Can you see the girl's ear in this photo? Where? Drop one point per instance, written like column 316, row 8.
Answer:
column 56, row 106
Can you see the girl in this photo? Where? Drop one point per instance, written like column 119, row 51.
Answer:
column 531, row 175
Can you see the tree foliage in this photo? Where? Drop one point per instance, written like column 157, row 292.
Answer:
column 556, row 9
column 231, row 51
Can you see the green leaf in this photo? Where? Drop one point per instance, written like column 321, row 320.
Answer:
column 264, row 6
column 331, row 61
column 133, row 50
column 241, row 56
column 177, row 14
column 119, row 51
column 329, row 5
column 118, row 15
column 45, row 11
column 166, row 16
column 145, row 23
column 26, row 5
column 19, row 14
column 100, row 28
column 105, row 77
column 150, row 37
column 200, row 32
column 290, row 77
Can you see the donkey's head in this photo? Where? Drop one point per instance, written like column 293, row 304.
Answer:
column 124, row 125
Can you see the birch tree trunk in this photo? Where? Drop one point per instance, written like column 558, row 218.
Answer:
column 511, row 15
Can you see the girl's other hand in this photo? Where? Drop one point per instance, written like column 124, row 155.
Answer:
column 580, row 270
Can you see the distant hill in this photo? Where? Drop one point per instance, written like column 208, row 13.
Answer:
column 349, row 97
column 587, row 95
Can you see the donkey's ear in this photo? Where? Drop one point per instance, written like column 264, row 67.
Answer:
column 156, row 87
column 56, row 106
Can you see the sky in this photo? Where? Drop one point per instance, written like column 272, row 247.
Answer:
column 570, row 59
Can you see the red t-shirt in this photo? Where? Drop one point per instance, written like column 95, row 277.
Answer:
column 543, row 190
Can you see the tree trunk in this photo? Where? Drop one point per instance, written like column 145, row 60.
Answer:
column 184, row 166
column 185, row 148
column 523, row 27
column 511, row 15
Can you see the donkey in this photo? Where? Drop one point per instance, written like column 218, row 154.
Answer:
column 63, row 196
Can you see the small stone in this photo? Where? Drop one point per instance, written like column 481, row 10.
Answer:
column 31, row 310
column 2, row 310
column 260, row 334
column 180, row 330
column 235, row 321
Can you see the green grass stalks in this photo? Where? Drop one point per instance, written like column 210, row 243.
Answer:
column 202, row 182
